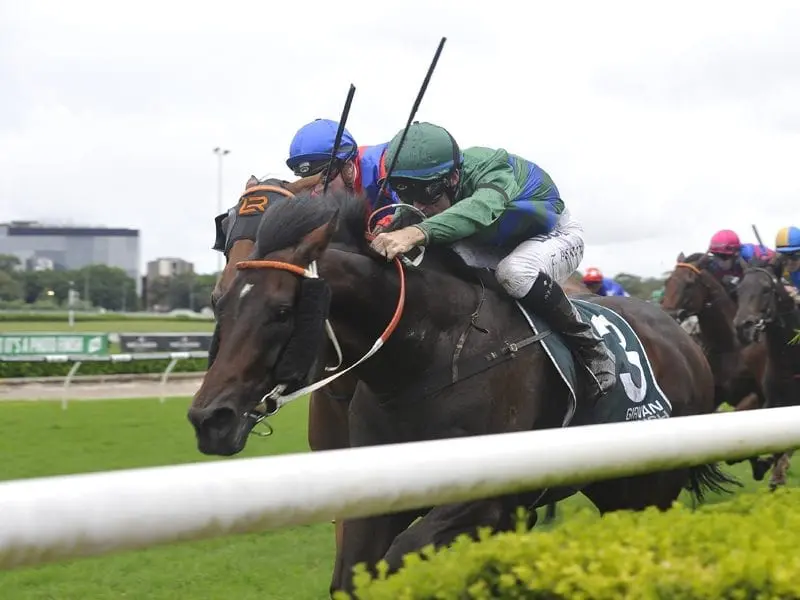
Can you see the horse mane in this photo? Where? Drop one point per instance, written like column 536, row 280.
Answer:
column 286, row 221
column 697, row 259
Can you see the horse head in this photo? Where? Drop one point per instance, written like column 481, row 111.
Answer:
column 763, row 301
column 687, row 290
column 268, row 319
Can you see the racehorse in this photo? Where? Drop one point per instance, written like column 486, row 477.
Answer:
column 457, row 359
column 766, row 307
column 692, row 290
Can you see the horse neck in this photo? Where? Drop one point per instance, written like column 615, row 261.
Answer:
column 716, row 318
column 365, row 295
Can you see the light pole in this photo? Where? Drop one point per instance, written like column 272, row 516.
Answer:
column 220, row 152
column 70, row 308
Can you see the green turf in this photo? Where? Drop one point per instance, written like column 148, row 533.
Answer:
column 40, row 439
column 126, row 326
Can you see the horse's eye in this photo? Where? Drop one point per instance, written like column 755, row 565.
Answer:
column 283, row 313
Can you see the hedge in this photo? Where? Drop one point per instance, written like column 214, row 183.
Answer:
column 43, row 369
column 742, row 549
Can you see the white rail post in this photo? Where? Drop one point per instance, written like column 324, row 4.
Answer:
column 174, row 358
column 68, row 379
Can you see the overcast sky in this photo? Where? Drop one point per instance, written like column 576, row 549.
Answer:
column 659, row 125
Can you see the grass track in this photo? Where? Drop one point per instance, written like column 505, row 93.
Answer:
column 39, row 439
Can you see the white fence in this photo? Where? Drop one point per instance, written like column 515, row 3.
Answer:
column 55, row 518
column 79, row 359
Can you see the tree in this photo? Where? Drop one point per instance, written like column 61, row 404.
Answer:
column 9, row 263
column 203, row 286
column 640, row 287
column 10, row 287
column 108, row 287
column 181, row 291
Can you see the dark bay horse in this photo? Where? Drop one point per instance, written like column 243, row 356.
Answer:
column 425, row 382
column 692, row 290
column 765, row 307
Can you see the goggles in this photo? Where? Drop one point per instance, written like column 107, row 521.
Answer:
column 414, row 191
column 319, row 167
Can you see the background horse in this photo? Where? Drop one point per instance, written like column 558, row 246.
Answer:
column 766, row 307
column 446, row 371
column 692, row 290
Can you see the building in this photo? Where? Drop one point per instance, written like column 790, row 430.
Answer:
column 157, row 275
column 39, row 246
column 168, row 267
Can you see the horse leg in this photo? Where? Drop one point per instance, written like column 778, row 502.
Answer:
column 365, row 541
column 328, row 425
column 550, row 513
column 749, row 402
column 442, row 524
column 758, row 466
column 782, row 463
column 637, row 493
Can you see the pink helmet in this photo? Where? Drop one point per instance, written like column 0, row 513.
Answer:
column 725, row 242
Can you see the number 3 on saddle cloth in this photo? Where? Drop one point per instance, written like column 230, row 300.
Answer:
column 636, row 395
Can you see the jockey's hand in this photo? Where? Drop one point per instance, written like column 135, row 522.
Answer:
column 397, row 242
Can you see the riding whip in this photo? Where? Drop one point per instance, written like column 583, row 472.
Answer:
column 413, row 114
column 339, row 133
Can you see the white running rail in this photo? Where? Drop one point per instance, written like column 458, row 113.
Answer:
column 57, row 518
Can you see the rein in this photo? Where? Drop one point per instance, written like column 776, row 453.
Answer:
column 695, row 269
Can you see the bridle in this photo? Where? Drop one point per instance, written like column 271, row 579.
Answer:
column 682, row 313
column 276, row 396
column 772, row 313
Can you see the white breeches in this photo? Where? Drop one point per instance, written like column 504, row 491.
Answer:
column 557, row 253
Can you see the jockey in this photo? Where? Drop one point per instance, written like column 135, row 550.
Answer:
column 725, row 251
column 602, row 286
column 750, row 251
column 356, row 169
column 500, row 201
column 787, row 244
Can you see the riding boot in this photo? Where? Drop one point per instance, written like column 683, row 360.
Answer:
column 547, row 300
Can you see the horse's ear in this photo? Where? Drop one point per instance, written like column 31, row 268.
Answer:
column 314, row 244
column 251, row 182
column 681, row 257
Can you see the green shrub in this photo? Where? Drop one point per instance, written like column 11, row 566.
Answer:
column 746, row 548
column 43, row 369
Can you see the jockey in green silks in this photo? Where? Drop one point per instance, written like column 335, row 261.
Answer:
column 500, row 202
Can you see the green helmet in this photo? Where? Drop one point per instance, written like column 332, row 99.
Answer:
column 428, row 152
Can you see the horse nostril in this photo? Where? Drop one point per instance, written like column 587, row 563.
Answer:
column 220, row 419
